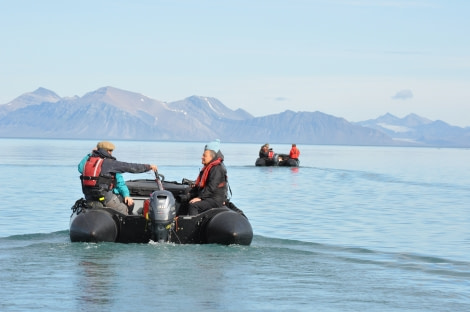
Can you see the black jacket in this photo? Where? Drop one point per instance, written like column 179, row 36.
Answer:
column 216, row 184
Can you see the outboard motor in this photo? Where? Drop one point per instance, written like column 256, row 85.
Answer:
column 162, row 211
column 276, row 159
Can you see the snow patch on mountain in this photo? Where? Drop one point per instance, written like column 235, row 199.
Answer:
column 395, row 128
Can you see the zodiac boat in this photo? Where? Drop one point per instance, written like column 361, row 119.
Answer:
column 281, row 160
column 156, row 217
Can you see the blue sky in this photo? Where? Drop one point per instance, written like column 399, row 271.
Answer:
column 356, row 59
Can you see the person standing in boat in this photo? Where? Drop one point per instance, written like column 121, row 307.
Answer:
column 294, row 152
column 120, row 188
column 99, row 177
column 210, row 189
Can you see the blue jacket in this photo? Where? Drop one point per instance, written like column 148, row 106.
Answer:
column 119, row 189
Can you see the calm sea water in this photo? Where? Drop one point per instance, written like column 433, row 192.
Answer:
column 352, row 229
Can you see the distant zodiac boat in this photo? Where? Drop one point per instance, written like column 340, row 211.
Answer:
column 282, row 160
column 155, row 218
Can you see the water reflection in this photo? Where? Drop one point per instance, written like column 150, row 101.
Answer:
column 94, row 277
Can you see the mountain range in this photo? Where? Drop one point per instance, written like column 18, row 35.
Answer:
column 111, row 113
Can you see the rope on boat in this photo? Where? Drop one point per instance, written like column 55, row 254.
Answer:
column 79, row 205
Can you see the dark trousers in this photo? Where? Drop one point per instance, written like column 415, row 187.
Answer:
column 201, row 206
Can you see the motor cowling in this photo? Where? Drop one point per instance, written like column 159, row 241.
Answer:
column 276, row 159
column 162, row 211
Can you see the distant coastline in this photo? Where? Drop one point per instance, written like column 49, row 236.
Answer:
column 111, row 113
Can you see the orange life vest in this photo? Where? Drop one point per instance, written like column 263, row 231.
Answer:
column 294, row 153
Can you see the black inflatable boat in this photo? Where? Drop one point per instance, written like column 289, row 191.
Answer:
column 281, row 160
column 156, row 217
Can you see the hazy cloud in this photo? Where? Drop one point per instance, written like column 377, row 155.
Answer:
column 280, row 99
column 390, row 3
column 403, row 95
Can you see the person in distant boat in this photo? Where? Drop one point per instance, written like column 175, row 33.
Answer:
column 210, row 189
column 99, row 177
column 120, row 188
column 264, row 151
column 267, row 156
column 294, row 152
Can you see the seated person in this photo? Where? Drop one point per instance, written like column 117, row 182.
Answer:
column 294, row 152
column 210, row 189
column 264, row 151
column 120, row 188
column 99, row 177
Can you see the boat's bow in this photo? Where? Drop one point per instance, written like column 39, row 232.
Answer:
column 93, row 225
column 229, row 227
